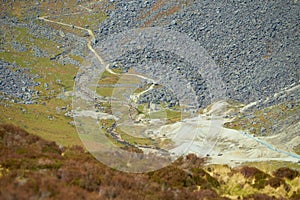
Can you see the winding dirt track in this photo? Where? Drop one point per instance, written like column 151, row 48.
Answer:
column 90, row 40
column 100, row 59
column 136, row 96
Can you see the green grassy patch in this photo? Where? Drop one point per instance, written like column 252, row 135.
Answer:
column 91, row 19
column 105, row 91
column 76, row 58
column 270, row 166
column 49, row 71
column 108, row 78
column 42, row 120
column 171, row 116
column 134, row 140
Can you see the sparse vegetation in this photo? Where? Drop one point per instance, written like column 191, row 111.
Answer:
column 265, row 121
column 297, row 149
column 47, row 117
column 134, row 140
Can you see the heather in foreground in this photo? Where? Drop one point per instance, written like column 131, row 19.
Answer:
column 33, row 168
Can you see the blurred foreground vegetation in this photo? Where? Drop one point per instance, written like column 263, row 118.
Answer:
column 33, row 168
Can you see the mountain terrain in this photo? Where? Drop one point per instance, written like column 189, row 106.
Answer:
column 226, row 73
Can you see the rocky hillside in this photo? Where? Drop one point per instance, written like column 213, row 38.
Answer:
column 16, row 83
column 254, row 44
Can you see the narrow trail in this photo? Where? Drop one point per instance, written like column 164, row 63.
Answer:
column 86, row 8
column 135, row 97
column 90, row 32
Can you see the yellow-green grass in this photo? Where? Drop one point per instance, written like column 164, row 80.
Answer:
column 113, row 141
column 93, row 137
column 35, row 120
column 270, row 166
column 76, row 16
column 134, row 140
column 107, row 123
column 117, row 70
column 23, row 36
column 234, row 184
column 145, row 87
column 170, row 115
column 49, row 71
column 173, row 116
column 56, row 12
column 18, row 9
column 22, row 9
column 77, row 58
column 127, row 137
column 105, row 91
column 108, row 78
column 65, row 29
column 42, row 120
column 58, row 7
column 141, row 108
column 69, row 6
column 139, row 90
column 165, row 143
column 92, row 19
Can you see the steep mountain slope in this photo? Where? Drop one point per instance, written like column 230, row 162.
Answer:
column 255, row 44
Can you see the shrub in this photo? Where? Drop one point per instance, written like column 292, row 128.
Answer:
column 253, row 172
column 259, row 197
column 286, row 173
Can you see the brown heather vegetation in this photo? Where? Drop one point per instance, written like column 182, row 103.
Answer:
column 286, row 173
column 33, row 168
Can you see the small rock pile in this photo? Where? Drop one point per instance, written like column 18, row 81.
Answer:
column 16, row 83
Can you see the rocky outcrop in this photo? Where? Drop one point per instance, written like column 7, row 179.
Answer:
column 255, row 44
column 17, row 83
